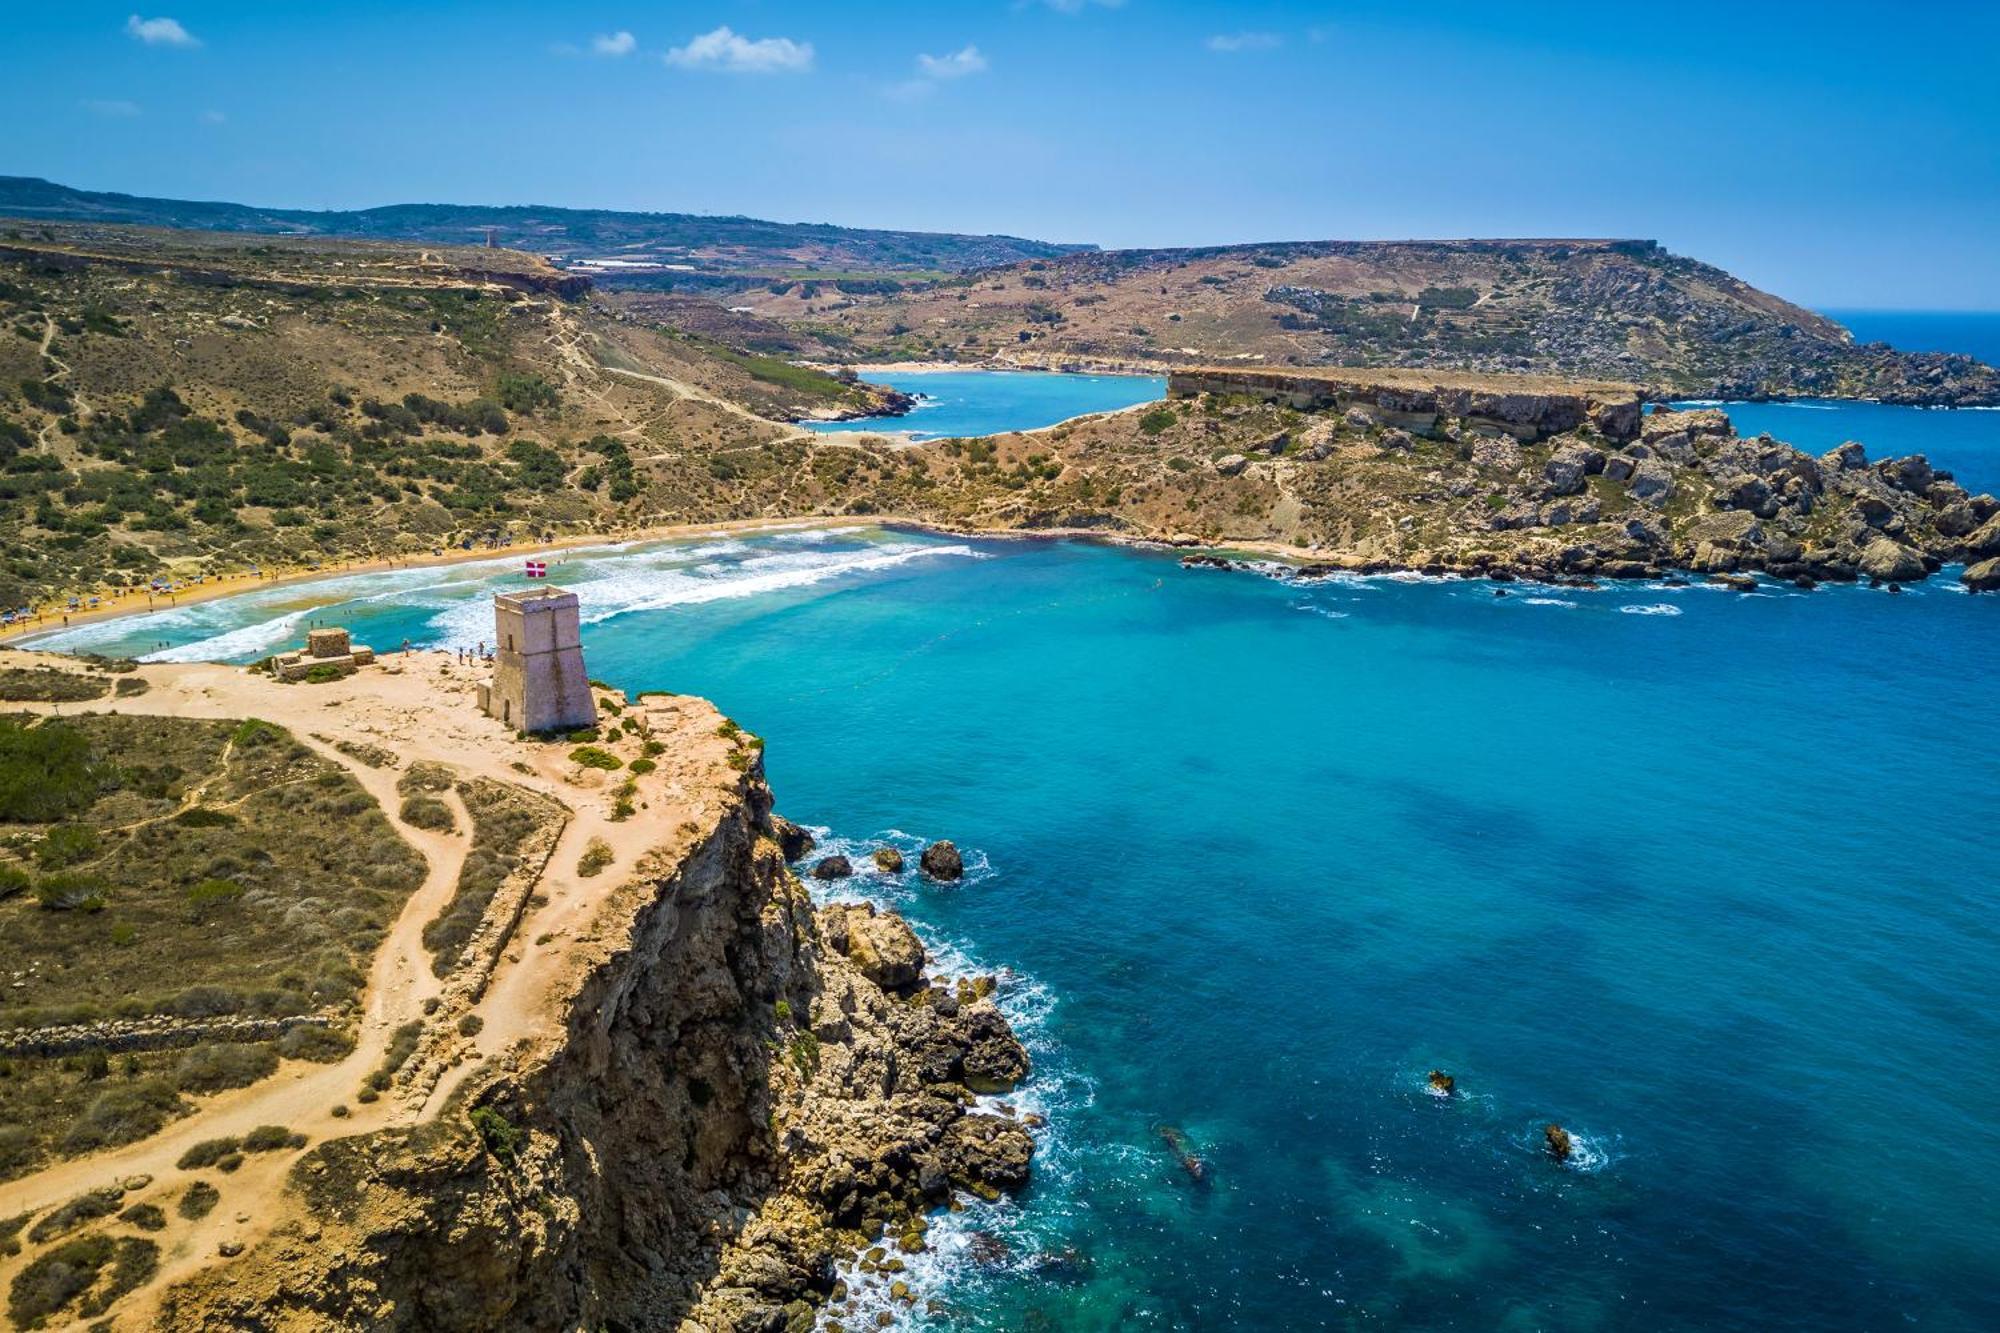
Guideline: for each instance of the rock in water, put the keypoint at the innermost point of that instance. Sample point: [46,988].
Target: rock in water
[1184,1153]
[1891,562]
[1559,1143]
[942,861]
[881,946]
[888,860]
[1982,577]
[1443,1084]
[833,867]
[793,841]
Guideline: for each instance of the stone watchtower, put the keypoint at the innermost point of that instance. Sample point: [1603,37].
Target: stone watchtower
[538,678]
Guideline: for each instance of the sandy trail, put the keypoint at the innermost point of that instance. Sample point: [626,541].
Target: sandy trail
[420,707]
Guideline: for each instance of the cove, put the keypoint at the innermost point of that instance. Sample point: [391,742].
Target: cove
[1702,876]
[955,403]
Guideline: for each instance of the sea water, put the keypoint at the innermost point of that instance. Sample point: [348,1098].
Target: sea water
[1707,878]
[952,403]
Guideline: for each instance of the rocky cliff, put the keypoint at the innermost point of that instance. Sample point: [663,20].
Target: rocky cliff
[732,1091]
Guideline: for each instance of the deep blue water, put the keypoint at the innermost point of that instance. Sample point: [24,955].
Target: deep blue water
[1714,885]
[986,402]
[1967,332]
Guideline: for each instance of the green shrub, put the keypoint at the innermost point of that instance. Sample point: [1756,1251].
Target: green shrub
[471,1025]
[1157,420]
[145,1216]
[212,894]
[207,1153]
[317,1043]
[591,756]
[200,816]
[122,1114]
[83,1208]
[71,891]
[229,1163]
[428,812]
[643,766]
[57,1279]
[199,1201]
[14,881]
[271,1138]
[46,772]
[224,1065]
[501,1138]
[596,855]
[65,845]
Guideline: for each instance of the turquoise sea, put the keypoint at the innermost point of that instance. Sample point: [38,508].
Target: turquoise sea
[984,402]
[1708,878]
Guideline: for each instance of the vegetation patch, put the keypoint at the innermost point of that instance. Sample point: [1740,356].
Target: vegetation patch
[89,1273]
[592,756]
[198,1201]
[48,685]
[428,812]
[504,818]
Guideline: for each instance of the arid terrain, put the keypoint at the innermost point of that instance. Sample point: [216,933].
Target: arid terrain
[255,1078]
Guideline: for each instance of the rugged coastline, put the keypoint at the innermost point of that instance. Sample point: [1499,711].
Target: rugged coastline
[677,1094]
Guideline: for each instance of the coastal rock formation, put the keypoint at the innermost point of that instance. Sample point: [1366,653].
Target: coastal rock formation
[1982,577]
[833,867]
[1558,1141]
[881,946]
[888,860]
[793,841]
[941,861]
[724,1103]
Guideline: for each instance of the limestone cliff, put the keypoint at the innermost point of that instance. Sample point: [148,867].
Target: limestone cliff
[721,1104]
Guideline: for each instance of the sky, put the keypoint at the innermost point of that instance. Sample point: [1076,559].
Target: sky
[1842,155]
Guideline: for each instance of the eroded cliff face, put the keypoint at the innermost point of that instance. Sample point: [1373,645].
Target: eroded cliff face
[724,1103]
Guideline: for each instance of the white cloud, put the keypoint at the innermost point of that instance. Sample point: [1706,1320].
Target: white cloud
[1232,43]
[620,43]
[954,66]
[1078,6]
[724,49]
[214,118]
[159,32]
[115,107]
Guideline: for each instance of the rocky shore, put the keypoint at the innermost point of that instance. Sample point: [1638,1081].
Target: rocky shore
[737,1091]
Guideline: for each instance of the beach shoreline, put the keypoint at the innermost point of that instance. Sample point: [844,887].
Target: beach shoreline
[139,603]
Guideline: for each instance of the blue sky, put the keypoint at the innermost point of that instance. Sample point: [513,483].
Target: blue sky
[1839,154]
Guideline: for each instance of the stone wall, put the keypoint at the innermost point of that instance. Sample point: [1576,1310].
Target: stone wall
[1528,407]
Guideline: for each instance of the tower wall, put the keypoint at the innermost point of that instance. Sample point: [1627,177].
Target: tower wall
[539,683]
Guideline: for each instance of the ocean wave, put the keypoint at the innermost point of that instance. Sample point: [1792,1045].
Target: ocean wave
[1325,612]
[1548,601]
[1652,609]
[667,578]
[242,641]
[981,1241]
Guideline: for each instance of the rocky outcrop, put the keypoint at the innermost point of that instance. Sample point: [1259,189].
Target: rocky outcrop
[941,861]
[1982,577]
[833,867]
[722,1104]
[888,860]
[882,946]
[1526,407]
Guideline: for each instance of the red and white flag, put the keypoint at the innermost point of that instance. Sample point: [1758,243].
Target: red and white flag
[538,569]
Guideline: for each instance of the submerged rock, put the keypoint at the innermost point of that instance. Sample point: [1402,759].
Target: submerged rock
[1559,1143]
[942,861]
[1184,1153]
[833,867]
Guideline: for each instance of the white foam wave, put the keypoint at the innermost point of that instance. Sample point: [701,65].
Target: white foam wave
[1548,601]
[1325,612]
[1652,609]
[242,641]
[659,580]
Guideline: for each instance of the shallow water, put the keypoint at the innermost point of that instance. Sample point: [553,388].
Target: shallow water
[987,402]
[1708,878]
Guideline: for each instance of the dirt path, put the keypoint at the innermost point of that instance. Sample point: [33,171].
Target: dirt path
[418,706]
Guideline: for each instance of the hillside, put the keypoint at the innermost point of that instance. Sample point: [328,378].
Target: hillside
[179,406]
[1625,310]
[174,404]
[710,245]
